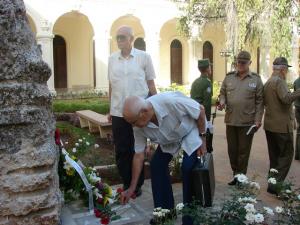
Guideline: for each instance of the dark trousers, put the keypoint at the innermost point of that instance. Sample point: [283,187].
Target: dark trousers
[161,180]
[280,147]
[239,146]
[124,149]
[297,148]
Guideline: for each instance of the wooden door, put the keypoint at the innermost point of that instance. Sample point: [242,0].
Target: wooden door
[60,62]
[176,62]
[208,53]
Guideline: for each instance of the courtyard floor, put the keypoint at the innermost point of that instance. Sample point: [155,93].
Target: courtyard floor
[139,211]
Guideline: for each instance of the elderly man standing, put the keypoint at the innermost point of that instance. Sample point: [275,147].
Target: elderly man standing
[130,72]
[242,94]
[173,121]
[278,121]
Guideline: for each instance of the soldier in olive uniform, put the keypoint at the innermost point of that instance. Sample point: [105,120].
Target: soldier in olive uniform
[201,91]
[278,121]
[242,95]
[297,114]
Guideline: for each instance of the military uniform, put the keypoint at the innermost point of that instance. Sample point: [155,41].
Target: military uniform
[244,106]
[297,114]
[278,122]
[201,91]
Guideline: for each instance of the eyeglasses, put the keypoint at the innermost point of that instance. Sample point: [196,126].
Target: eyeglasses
[121,37]
[242,62]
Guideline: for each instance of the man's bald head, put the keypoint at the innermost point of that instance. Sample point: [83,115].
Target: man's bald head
[137,111]
[125,30]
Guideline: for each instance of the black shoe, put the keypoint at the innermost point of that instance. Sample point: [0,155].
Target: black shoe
[271,191]
[138,192]
[233,182]
[152,222]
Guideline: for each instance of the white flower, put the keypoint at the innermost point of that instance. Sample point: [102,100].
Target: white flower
[93,177]
[288,191]
[272,180]
[241,178]
[298,197]
[89,134]
[249,208]
[76,144]
[155,213]
[165,210]
[74,150]
[259,218]
[159,214]
[80,140]
[255,185]
[247,199]
[250,217]
[87,143]
[83,138]
[272,170]
[278,209]
[157,209]
[66,143]
[180,160]
[269,210]
[96,146]
[179,206]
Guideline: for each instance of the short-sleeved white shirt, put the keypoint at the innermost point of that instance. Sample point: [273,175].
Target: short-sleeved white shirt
[127,77]
[177,118]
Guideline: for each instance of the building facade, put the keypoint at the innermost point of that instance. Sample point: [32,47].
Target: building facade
[77,37]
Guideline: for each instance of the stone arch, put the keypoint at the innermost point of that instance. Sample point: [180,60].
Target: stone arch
[208,53]
[168,33]
[78,33]
[127,20]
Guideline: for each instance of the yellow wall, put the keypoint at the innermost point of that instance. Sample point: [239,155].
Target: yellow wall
[168,33]
[78,34]
[31,24]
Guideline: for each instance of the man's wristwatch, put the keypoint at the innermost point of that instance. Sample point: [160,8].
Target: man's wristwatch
[202,134]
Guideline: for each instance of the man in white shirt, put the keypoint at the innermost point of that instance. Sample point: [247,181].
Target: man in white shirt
[130,72]
[175,122]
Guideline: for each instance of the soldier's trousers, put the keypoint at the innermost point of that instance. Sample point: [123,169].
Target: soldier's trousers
[239,146]
[281,151]
[297,147]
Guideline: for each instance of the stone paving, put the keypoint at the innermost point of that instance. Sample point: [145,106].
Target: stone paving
[139,211]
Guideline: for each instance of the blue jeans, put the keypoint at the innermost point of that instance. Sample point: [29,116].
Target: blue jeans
[161,180]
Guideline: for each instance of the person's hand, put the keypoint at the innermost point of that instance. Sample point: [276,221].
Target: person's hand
[258,125]
[148,152]
[202,149]
[126,195]
[109,117]
[220,107]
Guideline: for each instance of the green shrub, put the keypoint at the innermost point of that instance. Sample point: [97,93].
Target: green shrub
[94,104]
[176,87]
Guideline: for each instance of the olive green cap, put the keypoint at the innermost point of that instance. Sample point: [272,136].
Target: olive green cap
[202,63]
[281,61]
[244,55]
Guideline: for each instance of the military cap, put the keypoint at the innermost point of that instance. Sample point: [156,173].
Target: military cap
[202,63]
[281,61]
[244,55]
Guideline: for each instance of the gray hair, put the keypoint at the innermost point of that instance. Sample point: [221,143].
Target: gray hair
[134,104]
[279,67]
[128,30]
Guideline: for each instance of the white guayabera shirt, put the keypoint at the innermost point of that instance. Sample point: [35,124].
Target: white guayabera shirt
[176,115]
[128,77]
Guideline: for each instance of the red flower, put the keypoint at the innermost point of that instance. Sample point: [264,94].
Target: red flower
[97,213]
[120,190]
[57,137]
[133,196]
[105,220]
[100,200]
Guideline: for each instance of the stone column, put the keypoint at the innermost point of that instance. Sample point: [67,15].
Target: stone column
[29,193]
[295,53]
[46,43]
[153,48]
[193,70]
[102,52]
[265,71]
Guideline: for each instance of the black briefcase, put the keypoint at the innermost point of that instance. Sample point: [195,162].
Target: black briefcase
[203,180]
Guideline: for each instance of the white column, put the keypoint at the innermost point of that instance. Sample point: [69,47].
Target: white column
[265,62]
[295,53]
[46,43]
[193,62]
[153,48]
[102,52]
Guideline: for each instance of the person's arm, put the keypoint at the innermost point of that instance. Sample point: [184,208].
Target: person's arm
[151,87]
[137,166]
[109,88]
[222,96]
[259,104]
[284,94]
[201,123]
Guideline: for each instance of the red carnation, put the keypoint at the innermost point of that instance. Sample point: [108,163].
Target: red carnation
[105,220]
[119,190]
[100,200]
[57,137]
[97,213]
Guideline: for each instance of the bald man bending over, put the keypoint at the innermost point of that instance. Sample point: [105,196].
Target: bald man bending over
[175,122]
[130,72]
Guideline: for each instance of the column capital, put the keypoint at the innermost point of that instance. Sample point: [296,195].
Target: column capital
[44,36]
